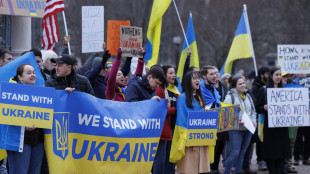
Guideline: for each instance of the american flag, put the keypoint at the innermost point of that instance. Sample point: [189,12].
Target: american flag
[49,23]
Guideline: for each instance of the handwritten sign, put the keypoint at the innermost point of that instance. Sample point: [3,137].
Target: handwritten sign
[131,41]
[305,82]
[294,58]
[92,28]
[26,105]
[288,107]
[113,35]
[201,128]
[228,118]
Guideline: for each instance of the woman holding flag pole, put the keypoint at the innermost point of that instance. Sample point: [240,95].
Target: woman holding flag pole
[188,159]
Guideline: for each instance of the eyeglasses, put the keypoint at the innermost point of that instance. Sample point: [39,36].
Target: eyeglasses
[195,78]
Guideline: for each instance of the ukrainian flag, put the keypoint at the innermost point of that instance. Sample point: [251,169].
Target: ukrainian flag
[191,39]
[154,30]
[240,47]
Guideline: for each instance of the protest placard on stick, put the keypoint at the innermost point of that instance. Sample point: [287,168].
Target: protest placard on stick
[113,35]
[92,28]
[131,41]
[288,107]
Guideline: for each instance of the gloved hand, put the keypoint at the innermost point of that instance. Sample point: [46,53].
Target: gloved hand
[119,53]
[143,52]
[106,55]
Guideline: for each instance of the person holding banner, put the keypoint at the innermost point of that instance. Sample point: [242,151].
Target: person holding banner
[276,140]
[167,91]
[30,159]
[240,138]
[65,77]
[193,159]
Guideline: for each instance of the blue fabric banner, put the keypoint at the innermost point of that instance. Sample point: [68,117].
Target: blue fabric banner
[92,135]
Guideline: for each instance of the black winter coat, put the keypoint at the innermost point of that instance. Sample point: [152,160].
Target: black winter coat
[276,142]
[80,83]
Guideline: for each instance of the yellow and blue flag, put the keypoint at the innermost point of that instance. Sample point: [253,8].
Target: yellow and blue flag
[181,130]
[154,31]
[240,47]
[191,39]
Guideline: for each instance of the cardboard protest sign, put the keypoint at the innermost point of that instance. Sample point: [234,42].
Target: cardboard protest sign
[29,8]
[131,41]
[92,28]
[201,128]
[228,118]
[113,35]
[288,107]
[26,105]
[294,58]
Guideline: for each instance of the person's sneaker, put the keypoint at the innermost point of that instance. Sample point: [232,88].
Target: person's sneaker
[306,162]
[262,166]
[291,170]
[296,162]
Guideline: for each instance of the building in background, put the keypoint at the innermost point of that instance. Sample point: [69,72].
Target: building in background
[18,24]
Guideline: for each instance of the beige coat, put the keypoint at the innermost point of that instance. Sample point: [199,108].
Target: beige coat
[196,160]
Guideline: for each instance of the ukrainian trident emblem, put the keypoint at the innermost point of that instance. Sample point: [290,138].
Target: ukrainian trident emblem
[60,134]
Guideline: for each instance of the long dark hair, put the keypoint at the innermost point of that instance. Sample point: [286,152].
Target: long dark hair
[187,88]
[270,83]
[165,83]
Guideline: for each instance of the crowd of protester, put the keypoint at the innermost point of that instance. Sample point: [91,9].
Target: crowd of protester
[201,90]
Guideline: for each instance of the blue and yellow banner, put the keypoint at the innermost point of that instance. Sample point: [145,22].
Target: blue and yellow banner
[26,105]
[228,118]
[154,31]
[12,136]
[240,47]
[92,135]
[191,39]
[202,128]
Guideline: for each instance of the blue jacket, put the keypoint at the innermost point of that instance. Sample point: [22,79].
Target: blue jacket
[138,89]
[97,82]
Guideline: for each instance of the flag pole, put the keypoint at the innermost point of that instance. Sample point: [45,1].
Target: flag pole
[250,37]
[180,23]
[65,23]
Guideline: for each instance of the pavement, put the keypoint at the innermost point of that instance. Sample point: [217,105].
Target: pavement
[301,169]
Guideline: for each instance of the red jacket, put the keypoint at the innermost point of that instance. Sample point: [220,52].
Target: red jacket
[111,93]
[166,133]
